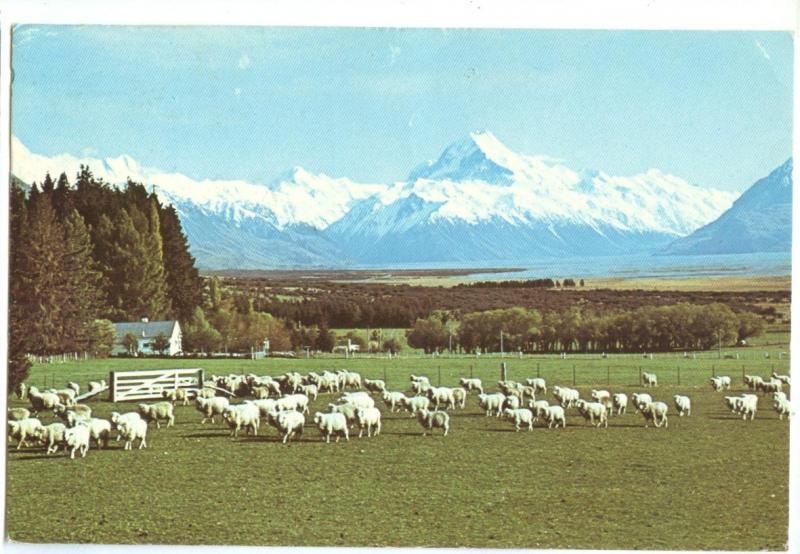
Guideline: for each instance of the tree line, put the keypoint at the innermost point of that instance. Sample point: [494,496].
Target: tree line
[681,326]
[85,254]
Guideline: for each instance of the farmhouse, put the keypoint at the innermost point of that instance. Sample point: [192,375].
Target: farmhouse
[146,332]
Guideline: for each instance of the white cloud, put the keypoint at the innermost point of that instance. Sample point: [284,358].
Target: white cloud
[763,50]
[244,61]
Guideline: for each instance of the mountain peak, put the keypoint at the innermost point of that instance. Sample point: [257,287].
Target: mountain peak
[478,157]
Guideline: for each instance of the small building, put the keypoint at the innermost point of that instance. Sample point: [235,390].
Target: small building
[146,332]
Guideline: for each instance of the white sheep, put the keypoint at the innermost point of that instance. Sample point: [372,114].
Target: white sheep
[419,379]
[97,385]
[640,398]
[430,420]
[782,378]
[41,401]
[176,395]
[51,435]
[15,414]
[592,411]
[133,429]
[300,402]
[375,385]
[538,384]
[416,403]
[359,399]
[349,411]
[63,412]
[491,403]
[74,386]
[420,387]
[469,383]
[118,419]
[649,379]
[748,406]
[77,439]
[290,424]
[783,407]
[99,430]
[21,390]
[719,383]
[683,404]
[511,403]
[600,395]
[779,395]
[311,391]
[238,416]
[655,412]
[620,402]
[554,415]
[394,399]
[753,382]
[566,396]
[265,406]
[369,419]
[156,412]
[773,385]
[23,429]
[538,407]
[519,416]
[459,397]
[732,403]
[210,407]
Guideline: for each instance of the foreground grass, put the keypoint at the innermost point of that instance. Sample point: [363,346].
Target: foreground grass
[710,481]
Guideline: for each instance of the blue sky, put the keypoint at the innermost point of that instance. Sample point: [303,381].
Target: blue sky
[371,104]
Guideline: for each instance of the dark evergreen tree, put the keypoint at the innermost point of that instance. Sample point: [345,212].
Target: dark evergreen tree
[18,363]
[184,285]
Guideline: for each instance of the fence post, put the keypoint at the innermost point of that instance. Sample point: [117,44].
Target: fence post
[679,375]
[537,370]
[470,371]
[640,376]
[503,371]
[573,375]
[384,375]
[742,372]
[111,386]
[608,375]
[440,376]
[713,370]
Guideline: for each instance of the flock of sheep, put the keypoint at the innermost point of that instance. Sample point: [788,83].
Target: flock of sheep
[282,402]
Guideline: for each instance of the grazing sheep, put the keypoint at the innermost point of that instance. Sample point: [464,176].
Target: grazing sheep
[296,401]
[538,384]
[649,379]
[210,407]
[99,430]
[176,395]
[620,402]
[21,391]
[640,398]
[720,382]
[265,406]
[375,385]
[97,385]
[459,397]
[329,424]
[420,387]
[779,395]
[748,406]
[655,412]
[41,401]
[74,386]
[683,404]
[351,379]
[156,412]
[492,403]
[15,414]
[782,378]
[753,382]
[566,396]
[349,411]
[783,407]
[77,439]
[23,429]
[290,424]
[131,430]
[772,385]
[51,435]
[311,391]
[81,410]
[430,420]
[419,379]
[246,415]
[600,395]
[511,403]
[469,384]
[538,407]
[369,419]
[592,411]
[554,415]
[118,419]
[65,396]
[416,403]
[518,416]
[732,402]
[394,399]
[358,399]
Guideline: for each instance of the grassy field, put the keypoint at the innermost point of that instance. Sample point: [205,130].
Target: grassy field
[709,481]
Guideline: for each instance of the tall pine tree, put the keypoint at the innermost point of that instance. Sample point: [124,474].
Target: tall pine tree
[183,280]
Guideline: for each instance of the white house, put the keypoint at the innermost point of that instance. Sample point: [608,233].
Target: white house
[146,331]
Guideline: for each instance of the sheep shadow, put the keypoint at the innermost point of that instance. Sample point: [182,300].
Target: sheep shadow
[503,430]
[402,433]
[209,435]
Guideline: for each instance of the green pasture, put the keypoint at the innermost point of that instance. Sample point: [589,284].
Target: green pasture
[709,481]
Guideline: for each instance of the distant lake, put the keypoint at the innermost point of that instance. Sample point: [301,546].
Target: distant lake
[634,266]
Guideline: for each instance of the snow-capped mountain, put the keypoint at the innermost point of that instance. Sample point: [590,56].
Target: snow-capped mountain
[479,201]
[759,221]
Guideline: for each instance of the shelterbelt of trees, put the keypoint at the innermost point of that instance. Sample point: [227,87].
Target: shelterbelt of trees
[86,254]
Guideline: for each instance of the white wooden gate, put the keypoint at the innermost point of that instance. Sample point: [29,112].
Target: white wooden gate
[139,385]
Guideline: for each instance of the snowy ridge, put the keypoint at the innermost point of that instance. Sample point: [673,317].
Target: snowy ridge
[514,205]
